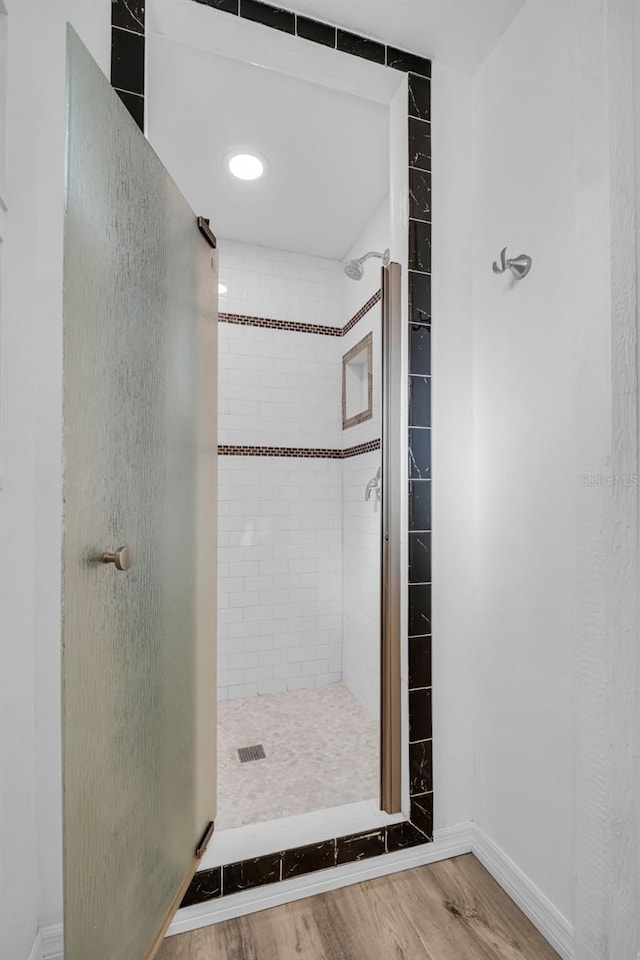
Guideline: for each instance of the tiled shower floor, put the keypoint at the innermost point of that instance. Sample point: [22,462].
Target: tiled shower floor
[321,751]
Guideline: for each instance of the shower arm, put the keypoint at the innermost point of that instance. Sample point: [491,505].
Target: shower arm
[372,253]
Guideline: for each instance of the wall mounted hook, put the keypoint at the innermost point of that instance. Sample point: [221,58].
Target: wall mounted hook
[519,266]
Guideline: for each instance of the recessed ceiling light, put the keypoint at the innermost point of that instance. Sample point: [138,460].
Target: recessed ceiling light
[222,289]
[246,166]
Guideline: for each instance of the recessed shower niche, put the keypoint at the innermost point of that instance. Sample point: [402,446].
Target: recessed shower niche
[357,383]
[300,421]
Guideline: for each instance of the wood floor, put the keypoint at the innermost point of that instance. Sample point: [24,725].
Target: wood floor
[452,910]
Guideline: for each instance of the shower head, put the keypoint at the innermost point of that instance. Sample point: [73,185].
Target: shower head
[354,269]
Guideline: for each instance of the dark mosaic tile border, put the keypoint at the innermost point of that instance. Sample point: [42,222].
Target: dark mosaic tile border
[127,76]
[295,327]
[317,453]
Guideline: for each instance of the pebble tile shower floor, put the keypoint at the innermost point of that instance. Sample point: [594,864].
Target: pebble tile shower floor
[321,751]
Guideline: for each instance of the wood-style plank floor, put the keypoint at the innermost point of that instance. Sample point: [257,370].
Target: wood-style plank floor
[452,910]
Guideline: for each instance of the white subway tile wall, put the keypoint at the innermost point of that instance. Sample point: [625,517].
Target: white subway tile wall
[298,546]
[279,285]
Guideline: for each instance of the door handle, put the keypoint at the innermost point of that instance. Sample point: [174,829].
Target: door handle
[121,558]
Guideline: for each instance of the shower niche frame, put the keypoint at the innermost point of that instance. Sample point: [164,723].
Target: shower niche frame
[325,53]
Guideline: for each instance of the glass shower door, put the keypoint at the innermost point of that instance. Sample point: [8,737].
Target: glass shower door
[139,537]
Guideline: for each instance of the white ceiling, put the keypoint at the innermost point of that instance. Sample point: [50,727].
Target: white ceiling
[459,33]
[327,150]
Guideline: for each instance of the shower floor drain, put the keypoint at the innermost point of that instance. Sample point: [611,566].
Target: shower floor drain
[255,752]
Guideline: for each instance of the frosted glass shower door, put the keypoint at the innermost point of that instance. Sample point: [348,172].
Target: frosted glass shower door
[140,370]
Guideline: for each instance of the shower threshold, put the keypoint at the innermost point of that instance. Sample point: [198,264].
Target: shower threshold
[270,836]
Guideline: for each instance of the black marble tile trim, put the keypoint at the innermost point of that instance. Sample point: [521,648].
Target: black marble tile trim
[419,97]
[420,768]
[420,560]
[419,246]
[419,401]
[134,103]
[360,846]
[408,62]
[419,194]
[227,6]
[326,34]
[275,17]
[247,874]
[361,46]
[127,60]
[419,662]
[315,30]
[206,885]
[419,715]
[307,859]
[419,609]
[419,144]
[402,835]
[272,868]
[422,814]
[128,14]
[419,297]
[419,505]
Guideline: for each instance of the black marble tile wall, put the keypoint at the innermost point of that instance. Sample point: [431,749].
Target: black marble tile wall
[127,54]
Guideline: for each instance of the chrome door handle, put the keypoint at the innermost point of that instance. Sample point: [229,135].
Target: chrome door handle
[121,558]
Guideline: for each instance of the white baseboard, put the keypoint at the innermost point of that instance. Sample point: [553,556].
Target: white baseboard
[553,926]
[450,842]
[36,949]
[52,942]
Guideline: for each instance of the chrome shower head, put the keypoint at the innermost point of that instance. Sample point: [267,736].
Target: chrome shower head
[354,269]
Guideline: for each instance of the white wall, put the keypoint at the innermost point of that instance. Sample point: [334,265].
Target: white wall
[525,419]
[31,457]
[454,623]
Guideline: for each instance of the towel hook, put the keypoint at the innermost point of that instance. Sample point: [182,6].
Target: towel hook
[519,266]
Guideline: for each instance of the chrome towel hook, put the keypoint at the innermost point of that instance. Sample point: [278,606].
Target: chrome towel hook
[519,266]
